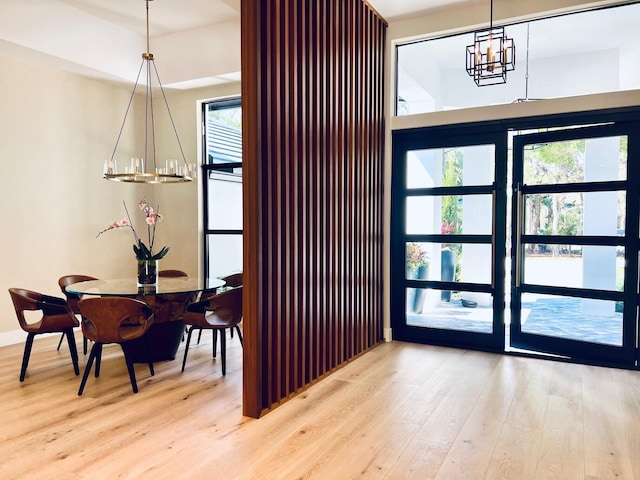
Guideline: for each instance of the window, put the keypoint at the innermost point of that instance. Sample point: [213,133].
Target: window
[222,187]
[582,53]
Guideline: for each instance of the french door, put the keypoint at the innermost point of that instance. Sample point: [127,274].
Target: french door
[519,237]
[447,258]
[575,251]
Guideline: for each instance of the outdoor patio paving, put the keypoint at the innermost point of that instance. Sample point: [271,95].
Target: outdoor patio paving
[554,316]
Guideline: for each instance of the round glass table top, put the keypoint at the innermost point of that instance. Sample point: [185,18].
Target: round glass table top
[128,287]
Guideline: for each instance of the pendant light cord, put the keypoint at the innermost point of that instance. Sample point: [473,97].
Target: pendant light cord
[526,71]
[491,16]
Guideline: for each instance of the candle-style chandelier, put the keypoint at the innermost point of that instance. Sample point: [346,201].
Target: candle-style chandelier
[141,170]
[491,56]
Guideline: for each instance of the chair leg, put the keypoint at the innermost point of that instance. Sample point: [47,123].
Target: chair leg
[87,368]
[98,357]
[71,340]
[26,355]
[60,341]
[148,344]
[223,350]
[186,346]
[85,341]
[214,332]
[237,328]
[199,335]
[132,373]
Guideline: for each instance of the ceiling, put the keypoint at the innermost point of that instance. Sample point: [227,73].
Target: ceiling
[105,38]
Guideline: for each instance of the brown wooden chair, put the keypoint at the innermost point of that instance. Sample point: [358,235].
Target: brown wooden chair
[172,273]
[73,299]
[113,320]
[233,280]
[56,317]
[216,313]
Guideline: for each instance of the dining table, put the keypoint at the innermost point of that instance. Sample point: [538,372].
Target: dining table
[168,298]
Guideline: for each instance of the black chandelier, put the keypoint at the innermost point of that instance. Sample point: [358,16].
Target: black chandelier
[491,55]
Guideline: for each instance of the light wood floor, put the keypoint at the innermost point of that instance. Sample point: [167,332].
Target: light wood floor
[400,411]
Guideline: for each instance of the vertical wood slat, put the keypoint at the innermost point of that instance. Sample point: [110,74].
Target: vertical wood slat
[313,138]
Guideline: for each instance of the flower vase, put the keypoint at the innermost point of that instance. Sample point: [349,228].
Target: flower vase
[447,272]
[147,272]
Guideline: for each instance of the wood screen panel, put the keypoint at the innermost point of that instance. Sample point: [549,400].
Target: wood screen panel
[313,140]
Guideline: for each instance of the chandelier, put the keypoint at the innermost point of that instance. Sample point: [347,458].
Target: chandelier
[491,55]
[141,170]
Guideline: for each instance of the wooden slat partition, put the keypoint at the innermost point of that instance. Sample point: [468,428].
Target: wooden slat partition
[313,143]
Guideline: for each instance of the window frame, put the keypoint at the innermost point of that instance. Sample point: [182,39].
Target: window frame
[207,168]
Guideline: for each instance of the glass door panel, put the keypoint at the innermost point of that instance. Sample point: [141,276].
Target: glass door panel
[579,266]
[450,167]
[573,318]
[447,240]
[567,212]
[575,160]
[570,244]
[449,214]
[465,311]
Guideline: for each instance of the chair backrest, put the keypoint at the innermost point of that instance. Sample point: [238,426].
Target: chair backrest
[233,280]
[56,314]
[72,298]
[114,319]
[227,305]
[172,273]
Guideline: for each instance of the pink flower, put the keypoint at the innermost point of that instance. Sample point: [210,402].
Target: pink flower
[153,218]
[140,248]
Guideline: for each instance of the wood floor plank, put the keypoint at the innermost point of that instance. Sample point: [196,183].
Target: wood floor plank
[400,411]
[605,427]
[561,453]
[515,452]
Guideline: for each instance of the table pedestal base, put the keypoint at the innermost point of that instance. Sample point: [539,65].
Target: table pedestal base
[163,341]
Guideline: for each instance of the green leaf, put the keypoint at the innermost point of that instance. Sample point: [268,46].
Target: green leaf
[160,254]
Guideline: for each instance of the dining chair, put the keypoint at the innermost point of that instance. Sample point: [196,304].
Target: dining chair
[172,273]
[217,313]
[233,280]
[56,317]
[114,320]
[73,299]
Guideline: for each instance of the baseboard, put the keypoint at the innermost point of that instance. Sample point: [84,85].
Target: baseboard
[388,336]
[12,337]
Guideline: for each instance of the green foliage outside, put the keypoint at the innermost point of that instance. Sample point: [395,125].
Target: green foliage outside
[561,213]
[232,117]
[452,204]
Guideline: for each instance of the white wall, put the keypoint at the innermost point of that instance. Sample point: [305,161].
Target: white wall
[56,130]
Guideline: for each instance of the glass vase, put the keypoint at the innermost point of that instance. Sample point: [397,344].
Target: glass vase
[147,272]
